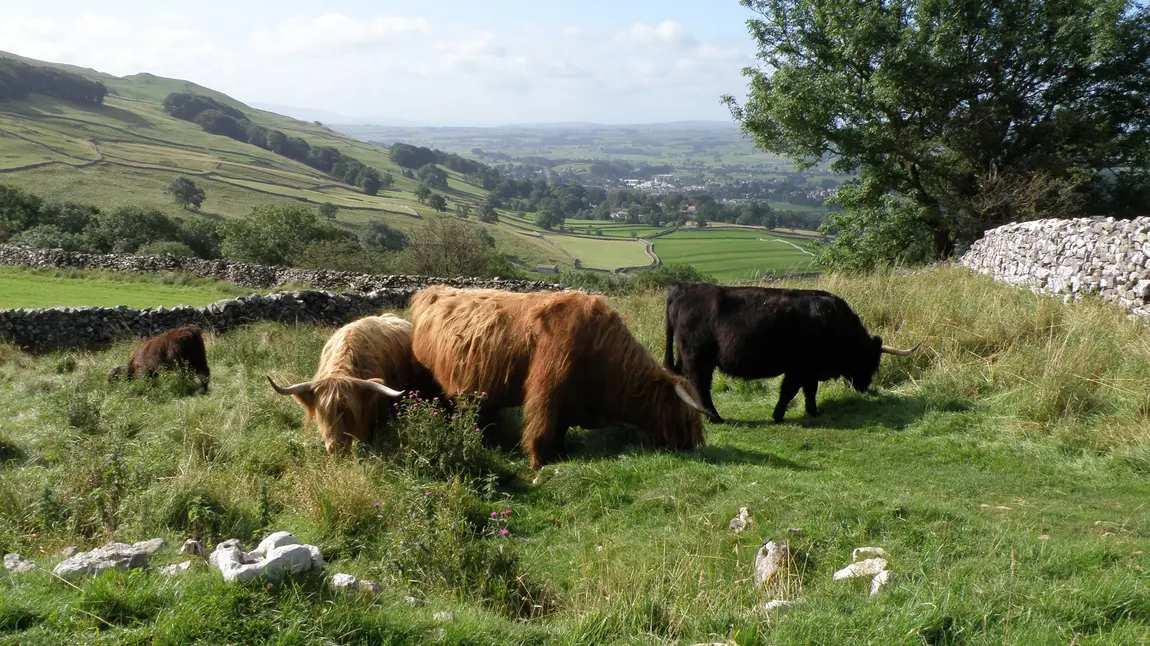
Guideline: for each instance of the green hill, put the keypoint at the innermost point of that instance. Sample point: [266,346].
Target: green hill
[126,150]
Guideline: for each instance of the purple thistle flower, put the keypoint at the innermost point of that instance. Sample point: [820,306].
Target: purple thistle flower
[427,493]
[494,514]
[377,505]
[504,531]
[506,512]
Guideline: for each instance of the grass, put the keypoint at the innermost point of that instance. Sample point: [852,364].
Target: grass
[29,288]
[1004,468]
[602,254]
[734,254]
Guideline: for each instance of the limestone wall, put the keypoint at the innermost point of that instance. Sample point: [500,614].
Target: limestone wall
[1072,258]
[72,327]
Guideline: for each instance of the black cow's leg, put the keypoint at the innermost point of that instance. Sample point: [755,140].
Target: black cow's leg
[810,392]
[700,375]
[787,391]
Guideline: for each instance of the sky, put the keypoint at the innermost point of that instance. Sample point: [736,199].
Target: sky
[435,62]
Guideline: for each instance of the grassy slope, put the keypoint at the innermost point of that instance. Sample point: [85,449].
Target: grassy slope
[24,287]
[1004,467]
[127,150]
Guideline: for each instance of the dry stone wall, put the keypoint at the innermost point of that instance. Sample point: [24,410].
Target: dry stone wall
[1071,258]
[74,327]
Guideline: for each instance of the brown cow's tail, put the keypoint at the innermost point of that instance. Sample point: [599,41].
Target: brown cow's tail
[669,341]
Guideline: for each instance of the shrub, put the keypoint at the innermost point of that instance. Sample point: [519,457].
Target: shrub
[49,236]
[274,234]
[448,246]
[432,441]
[171,247]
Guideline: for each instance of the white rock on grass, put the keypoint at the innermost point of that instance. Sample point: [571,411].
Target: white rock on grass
[880,580]
[176,568]
[69,551]
[773,558]
[16,564]
[870,552]
[119,556]
[277,556]
[740,521]
[347,583]
[444,616]
[193,547]
[869,567]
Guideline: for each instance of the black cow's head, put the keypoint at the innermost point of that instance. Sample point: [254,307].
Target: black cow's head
[866,364]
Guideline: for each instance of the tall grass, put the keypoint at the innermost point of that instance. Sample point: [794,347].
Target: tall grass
[1004,467]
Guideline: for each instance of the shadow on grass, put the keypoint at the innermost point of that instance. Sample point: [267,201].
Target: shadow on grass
[725,454]
[120,114]
[855,411]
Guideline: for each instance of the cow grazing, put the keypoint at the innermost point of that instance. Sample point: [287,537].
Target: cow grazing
[805,335]
[181,347]
[360,370]
[566,358]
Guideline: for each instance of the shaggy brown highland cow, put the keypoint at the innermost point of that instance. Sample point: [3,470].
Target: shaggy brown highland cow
[181,347]
[566,357]
[354,384]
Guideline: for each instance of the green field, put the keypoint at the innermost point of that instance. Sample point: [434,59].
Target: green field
[28,288]
[734,254]
[1004,469]
[603,254]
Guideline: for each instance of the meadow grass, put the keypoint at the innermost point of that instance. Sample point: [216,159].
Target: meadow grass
[733,255]
[1004,467]
[26,287]
[602,254]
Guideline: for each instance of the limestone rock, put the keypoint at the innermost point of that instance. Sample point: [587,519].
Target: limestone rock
[150,546]
[741,520]
[444,616]
[880,580]
[347,583]
[276,557]
[773,558]
[16,564]
[869,567]
[176,568]
[119,556]
[71,550]
[868,552]
[778,604]
[192,547]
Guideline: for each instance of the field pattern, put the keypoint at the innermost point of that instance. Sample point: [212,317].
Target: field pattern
[734,254]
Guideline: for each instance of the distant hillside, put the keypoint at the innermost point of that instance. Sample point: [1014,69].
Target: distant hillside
[128,149]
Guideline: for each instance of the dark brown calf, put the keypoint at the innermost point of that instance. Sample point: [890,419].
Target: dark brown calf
[182,347]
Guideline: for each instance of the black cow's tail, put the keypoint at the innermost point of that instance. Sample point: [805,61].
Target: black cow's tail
[669,342]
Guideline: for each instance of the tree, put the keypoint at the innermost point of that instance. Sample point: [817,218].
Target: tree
[274,234]
[463,211]
[422,193]
[185,191]
[448,246]
[432,175]
[437,202]
[378,236]
[328,210]
[386,181]
[127,228]
[968,115]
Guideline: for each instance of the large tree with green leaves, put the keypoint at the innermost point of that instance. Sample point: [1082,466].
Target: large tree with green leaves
[957,115]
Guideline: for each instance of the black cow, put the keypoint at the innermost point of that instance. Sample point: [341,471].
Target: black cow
[805,335]
[181,347]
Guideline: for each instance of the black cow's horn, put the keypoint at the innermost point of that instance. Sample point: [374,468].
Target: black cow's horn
[685,396]
[378,386]
[900,353]
[291,390]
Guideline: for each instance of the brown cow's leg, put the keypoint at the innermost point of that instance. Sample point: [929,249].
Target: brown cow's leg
[810,392]
[542,432]
[787,391]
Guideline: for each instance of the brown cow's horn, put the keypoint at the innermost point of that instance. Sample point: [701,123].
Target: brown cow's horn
[685,396]
[900,353]
[291,390]
[380,387]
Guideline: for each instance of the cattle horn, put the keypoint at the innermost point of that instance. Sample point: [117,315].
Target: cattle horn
[685,396]
[378,386]
[291,390]
[900,353]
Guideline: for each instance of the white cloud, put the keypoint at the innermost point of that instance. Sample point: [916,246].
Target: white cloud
[409,67]
[334,33]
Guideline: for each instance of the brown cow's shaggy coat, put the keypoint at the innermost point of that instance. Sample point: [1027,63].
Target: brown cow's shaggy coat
[363,367]
[566,357]
[181,347]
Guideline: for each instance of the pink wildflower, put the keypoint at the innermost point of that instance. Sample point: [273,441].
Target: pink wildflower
[494,514]
[504,531]
[427,493]
[506,512]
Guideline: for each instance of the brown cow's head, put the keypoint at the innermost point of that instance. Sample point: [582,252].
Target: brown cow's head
[344,407]
[677,415]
